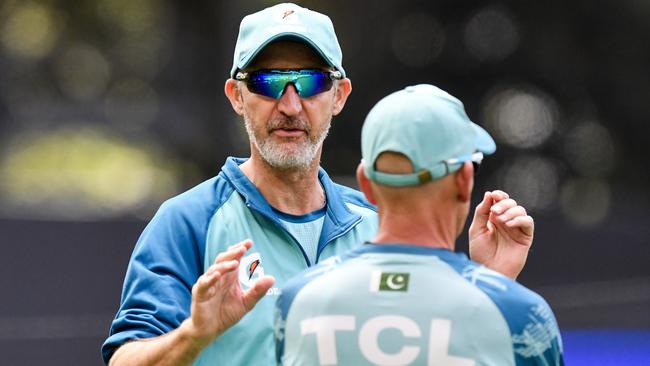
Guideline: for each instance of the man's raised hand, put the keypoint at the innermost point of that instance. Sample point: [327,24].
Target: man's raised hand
[501,234]
[218,301]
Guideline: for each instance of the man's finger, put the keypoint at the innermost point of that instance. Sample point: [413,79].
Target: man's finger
[482,211]
[206,281]
[223,267]
[503,205]
[234,252]
[231,254]
[255,293]
[248,243]
[525,223]
[511,213]
[498,195]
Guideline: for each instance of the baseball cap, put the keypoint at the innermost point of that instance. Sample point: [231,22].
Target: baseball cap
[286,21]
[427,125]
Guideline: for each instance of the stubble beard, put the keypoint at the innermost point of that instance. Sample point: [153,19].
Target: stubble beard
[280,156]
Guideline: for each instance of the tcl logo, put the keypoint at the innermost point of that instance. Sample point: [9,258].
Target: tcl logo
[324,328]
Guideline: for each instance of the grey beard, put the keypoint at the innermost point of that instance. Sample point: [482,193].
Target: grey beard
[278,157]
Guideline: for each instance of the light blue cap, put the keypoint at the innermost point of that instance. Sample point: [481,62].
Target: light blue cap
[427,125]
[286,21]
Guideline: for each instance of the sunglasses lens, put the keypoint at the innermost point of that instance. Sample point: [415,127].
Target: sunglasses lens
[312,84]
[267,84]
[273,83]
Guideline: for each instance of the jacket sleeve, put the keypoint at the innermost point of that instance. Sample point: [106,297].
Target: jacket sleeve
[165,264]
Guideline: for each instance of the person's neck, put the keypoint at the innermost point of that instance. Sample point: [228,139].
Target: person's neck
[426,228]
[293,191]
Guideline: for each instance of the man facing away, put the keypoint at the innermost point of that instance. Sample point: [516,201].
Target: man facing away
[186,288]
[406,298]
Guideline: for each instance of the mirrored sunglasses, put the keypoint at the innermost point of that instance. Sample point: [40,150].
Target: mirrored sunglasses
[272,83]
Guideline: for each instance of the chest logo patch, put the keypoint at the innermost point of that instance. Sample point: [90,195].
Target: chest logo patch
[250,269]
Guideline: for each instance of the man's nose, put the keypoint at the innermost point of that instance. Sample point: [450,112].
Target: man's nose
[290,103]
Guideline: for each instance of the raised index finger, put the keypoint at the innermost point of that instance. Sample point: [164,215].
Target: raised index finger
[234,252]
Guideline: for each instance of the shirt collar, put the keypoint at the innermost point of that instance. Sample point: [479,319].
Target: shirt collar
[444,253]
[337,210]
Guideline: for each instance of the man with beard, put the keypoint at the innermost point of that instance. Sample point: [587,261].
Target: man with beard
[187,289]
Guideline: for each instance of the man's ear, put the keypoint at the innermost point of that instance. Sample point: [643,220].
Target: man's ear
[464,179]
[365,185]
[234,96]
[343,90]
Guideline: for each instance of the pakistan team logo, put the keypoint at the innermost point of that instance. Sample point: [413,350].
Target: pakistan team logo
[389,281]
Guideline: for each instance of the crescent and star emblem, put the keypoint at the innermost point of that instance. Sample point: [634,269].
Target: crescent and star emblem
[394,281]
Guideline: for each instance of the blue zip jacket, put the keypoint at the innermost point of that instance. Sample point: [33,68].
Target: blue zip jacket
[185,236]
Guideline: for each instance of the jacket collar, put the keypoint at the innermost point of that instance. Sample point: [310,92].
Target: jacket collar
[337,211]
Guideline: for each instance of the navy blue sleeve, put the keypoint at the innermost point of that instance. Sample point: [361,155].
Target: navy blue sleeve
[535,333]
[165,264]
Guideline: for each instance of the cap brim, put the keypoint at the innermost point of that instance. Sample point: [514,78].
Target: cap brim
[484,142]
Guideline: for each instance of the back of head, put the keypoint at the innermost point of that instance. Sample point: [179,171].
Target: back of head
[426,125]
[291,22]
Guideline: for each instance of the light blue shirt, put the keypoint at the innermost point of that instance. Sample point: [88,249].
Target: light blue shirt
[305,229]
[412,305]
